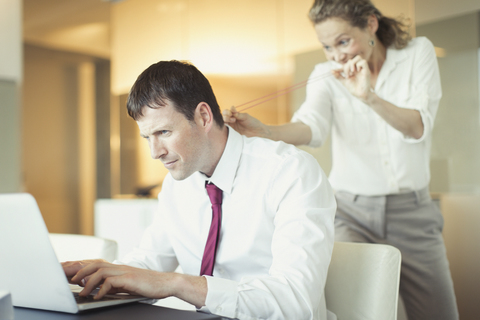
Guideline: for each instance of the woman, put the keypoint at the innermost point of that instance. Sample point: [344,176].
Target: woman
[379,106]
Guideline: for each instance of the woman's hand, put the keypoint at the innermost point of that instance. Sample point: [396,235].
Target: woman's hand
[245,124]
[356,77]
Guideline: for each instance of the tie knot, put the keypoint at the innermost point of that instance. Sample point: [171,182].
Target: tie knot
[214,193]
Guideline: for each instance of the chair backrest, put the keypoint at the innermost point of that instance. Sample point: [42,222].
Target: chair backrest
[69,247]
[363,281]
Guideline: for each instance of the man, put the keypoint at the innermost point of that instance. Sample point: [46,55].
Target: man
[275,211]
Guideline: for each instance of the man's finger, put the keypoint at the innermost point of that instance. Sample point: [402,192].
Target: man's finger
[88,270]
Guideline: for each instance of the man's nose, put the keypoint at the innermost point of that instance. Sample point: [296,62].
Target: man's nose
[157,148]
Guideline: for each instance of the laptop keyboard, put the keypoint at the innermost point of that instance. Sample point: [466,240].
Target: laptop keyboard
[89,298]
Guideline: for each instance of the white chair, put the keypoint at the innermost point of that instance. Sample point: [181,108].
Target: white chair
[69,247]
[363,281]
[124,220]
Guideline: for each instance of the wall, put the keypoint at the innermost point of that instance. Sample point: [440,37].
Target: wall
[11,40]
[76,26]
[455,158]
[221,37]
[50,134]
[59,147]
[304,64]
[10,86]
[456,135]
[461,214]
[10,137]
[428,11]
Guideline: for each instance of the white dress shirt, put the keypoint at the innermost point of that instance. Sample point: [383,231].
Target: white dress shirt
[369,156]
[276,234]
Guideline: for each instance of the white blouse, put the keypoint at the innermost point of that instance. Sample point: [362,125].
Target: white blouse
[369,157]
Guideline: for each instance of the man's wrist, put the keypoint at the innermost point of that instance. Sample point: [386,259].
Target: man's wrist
[192,289]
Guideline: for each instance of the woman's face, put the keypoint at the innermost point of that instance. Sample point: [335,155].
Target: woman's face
[341,42]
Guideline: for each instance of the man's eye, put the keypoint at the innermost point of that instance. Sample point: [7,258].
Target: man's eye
[162,133]
[344,42]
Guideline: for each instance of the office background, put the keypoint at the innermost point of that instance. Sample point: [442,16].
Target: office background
[66,67]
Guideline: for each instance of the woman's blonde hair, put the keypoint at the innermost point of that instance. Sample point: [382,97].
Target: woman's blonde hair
[356,12]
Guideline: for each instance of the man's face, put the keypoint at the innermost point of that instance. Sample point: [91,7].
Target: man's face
[174,140]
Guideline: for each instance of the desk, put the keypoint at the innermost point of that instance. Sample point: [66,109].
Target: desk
[137,311]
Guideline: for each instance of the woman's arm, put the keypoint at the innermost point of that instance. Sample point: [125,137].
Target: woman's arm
[407,121]
[356,77]
[296,133]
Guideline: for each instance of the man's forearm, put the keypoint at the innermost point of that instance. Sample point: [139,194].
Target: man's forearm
[192,289]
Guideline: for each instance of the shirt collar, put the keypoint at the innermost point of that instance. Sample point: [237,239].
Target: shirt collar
[226,169]
[394,56]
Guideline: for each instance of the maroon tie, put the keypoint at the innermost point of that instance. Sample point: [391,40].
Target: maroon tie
[208,260]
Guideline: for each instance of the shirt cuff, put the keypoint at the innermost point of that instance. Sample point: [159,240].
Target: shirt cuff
[426,129]
[421,104]
[316,140]
[222,296]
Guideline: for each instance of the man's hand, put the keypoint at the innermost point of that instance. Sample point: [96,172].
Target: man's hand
[72,267]
[112,278]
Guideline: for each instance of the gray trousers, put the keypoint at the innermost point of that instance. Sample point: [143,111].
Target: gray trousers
[412,223]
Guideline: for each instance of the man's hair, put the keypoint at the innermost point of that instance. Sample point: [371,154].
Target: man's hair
[357,12]
[180,83]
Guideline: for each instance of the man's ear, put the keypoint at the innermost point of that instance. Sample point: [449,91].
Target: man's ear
[204,116]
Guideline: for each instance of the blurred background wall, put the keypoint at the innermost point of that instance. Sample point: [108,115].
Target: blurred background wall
[66,67]
[81,57]
[11,61]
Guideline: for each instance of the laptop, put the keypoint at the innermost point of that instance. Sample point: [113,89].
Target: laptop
[29,269]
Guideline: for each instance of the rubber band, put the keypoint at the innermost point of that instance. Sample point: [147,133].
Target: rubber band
[281,92]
